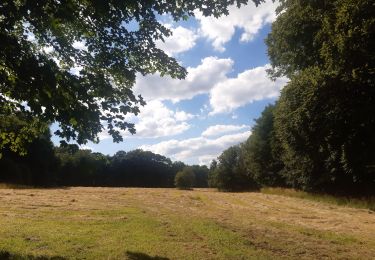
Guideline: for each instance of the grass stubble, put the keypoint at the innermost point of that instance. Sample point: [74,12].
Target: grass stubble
[136,223]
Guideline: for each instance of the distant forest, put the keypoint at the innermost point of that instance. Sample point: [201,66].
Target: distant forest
[47,166]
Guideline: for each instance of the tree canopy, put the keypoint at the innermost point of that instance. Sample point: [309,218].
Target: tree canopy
[262,151]
[45,165]
[86,89]
[230,173]
[325,118]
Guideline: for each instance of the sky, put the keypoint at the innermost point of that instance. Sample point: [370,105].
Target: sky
[194,120]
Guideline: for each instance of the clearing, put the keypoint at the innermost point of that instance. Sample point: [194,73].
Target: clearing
[135,223]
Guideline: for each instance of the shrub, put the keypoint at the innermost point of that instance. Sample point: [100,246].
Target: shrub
[230,174]
[185,179]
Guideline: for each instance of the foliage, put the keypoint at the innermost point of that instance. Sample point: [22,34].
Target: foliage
[326,127]
[212,183]
[37,167]
[80,167]
[67,165]
[17,131]
[261,151]
[231,174]
[337,36]
[185,179]
[201,175]
[325,118]
[141,169]
[40,60]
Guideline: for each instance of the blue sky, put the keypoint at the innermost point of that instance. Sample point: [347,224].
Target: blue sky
[195,119]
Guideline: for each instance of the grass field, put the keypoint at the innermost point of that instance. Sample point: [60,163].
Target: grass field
[123,223]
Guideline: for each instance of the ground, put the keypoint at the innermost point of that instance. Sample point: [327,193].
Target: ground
[135,223]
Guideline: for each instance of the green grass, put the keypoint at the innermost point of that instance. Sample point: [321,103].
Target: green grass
[365,203]
[110,236]
[119,223]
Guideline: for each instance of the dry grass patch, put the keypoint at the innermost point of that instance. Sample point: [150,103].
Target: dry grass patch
[118,223]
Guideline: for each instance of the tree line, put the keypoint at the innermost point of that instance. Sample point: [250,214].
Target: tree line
[320,135]
[47,166]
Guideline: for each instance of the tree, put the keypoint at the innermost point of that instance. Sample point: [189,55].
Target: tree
[37,167]
[325,118]
[185,179]
[231,174]
[140,168]
[262,151]
[17,131]
[326,128]
[337,36]
[39,58]
[201,175]
[212,183]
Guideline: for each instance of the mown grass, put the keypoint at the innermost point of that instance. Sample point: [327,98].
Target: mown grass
[365,202]
[120,223]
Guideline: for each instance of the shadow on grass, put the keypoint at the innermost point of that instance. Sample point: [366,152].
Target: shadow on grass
[5,255]
[141,256]
[16,186]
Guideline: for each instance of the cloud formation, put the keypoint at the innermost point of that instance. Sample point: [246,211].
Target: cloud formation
[181,40]
[199,80]
[210,77]
[249,86]
[201,149]
[156,120]
[249,19]
[218,130]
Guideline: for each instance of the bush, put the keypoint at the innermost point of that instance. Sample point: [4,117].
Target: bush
[230,174]
[185,179]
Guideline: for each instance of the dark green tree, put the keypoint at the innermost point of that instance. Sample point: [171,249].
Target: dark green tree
[337,36]
[231,174]
[327,133]
[262,151]
[212,174]
[325,118]
[185,179]
[38,57]
[37,165]
[140,168]
[201,175]
[17,130]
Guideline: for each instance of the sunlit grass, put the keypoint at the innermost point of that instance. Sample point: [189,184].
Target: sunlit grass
[120,223]
[365,203]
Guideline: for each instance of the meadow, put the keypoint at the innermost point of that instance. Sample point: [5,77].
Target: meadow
[136,223]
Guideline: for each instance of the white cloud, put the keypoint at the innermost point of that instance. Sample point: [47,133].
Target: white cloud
[183,116]
[198,81]
[199,149]
[156,120]
[249,19]
[217,130]
[86,147]
[249,86]
[226,94]
[181,40]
